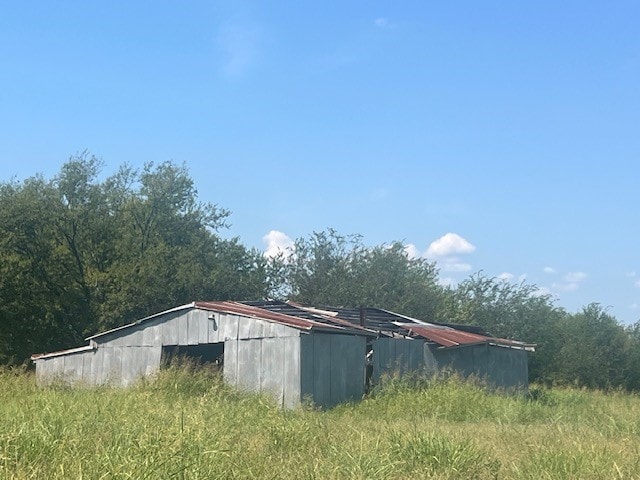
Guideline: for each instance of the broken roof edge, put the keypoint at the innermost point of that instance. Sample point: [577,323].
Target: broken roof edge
[525,347]
[292,321]
[42,356]
[333,317]
[448,337]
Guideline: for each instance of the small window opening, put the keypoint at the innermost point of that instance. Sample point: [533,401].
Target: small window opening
[209,355]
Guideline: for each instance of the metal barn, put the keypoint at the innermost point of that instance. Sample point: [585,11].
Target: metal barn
[290,351]
[408,344]
[290,358]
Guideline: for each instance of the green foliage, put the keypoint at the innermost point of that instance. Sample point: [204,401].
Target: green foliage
[592,349]
[79,254]
[186,423]
[515,311]
[331,269]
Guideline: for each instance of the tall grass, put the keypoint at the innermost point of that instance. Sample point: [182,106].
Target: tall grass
[186,423]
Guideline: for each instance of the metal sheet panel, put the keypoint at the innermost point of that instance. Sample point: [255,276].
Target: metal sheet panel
[277,330]
[429,360]
[354,360]
[107,362]
[272,367]
[130,336]
[72,368]
[306,367]
[249,353]
[41,367]
[170,328]
[322,369]
[152,334]
[57,368]
[380,354]
[115,373]
[96,367]
[87,360]
[291,371]
[45,372]
[244,327]
[154,357]
[203,326]
[111,365]
[256,328]
[182,323]
[230,369]
[193,328]
[133,365]
[228,327]
[339,347]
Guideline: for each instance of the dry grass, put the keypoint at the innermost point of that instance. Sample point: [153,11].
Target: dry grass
[187,424]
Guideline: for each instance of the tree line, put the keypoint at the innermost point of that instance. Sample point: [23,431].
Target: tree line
[80,254]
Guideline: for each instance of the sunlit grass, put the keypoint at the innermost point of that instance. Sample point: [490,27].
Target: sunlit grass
[187,424]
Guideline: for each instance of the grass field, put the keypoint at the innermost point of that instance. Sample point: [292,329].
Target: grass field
[187,424]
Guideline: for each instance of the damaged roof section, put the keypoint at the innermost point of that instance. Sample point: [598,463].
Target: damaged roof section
[385,322]
[450,337]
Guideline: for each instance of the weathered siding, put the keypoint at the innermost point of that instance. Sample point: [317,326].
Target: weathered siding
[500,367]
[397,356]
[269,365]
[332,368]
[123,356]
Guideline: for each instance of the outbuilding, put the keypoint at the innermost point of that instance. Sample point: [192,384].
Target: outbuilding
[290,351]
[287,357]
[408,344]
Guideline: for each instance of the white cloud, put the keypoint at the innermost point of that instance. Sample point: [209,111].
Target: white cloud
[276,242]
[575,277]
[447,281]
[631,274]
[542,291]
[522,277]
[633,306]
[239,46]
[453,264]
[412,251]
[550,270]
[570,282]
[449,244]
[505,276]
[566,287]
[637,283]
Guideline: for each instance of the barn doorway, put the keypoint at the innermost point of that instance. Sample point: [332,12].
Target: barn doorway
[208,355]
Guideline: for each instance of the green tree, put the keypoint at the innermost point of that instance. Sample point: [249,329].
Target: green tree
[592,351]
[515,311]
[328,268]
[78,254]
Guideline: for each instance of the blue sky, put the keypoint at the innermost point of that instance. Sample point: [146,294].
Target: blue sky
[494,136]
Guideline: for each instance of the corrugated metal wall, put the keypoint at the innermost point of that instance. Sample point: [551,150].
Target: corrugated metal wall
[269,365]
[120,365]
[500,367]
[125,355]
[397,356]
[332,368]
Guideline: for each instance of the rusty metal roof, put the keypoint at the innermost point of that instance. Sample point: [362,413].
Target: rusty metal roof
[450,337]
[322,316]
[305,322]
[254,312]
[385,321]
